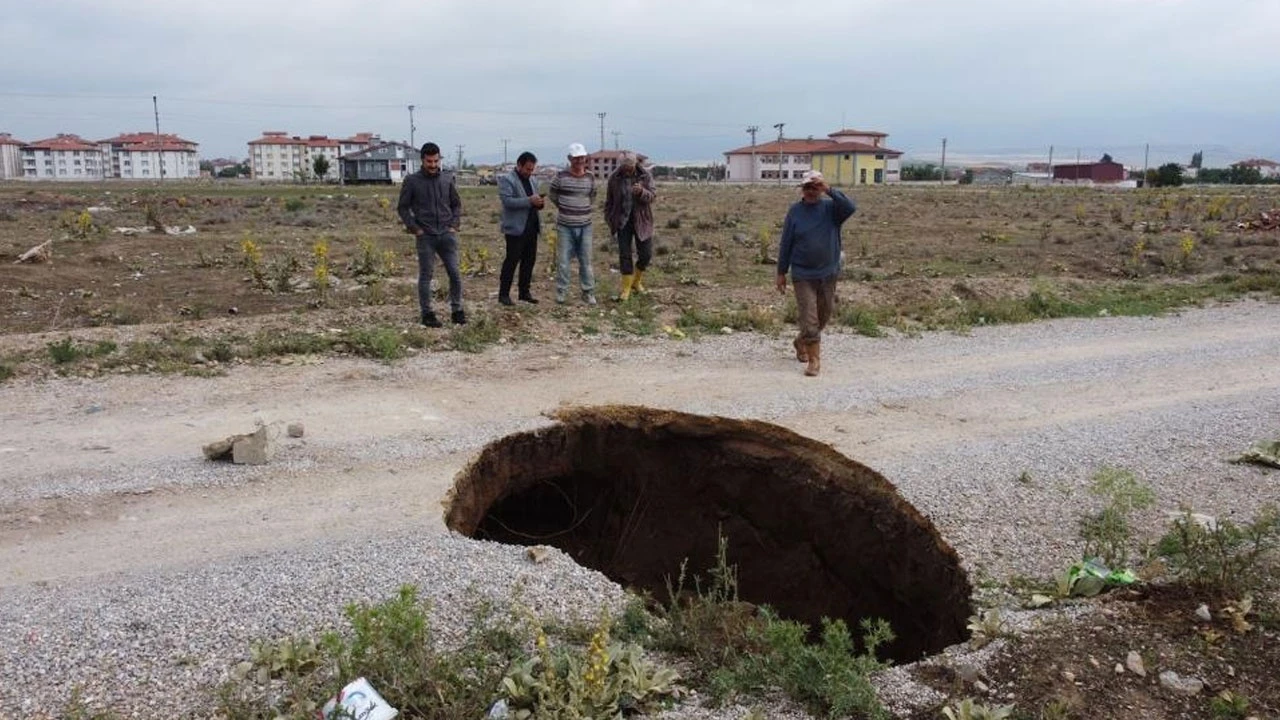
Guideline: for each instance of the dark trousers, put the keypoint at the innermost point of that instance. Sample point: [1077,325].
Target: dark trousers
[522,250]
[446,246]
[643,249]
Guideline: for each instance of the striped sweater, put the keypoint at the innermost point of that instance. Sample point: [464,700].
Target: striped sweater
[572,197]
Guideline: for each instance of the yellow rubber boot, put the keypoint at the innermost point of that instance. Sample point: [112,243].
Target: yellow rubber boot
[624,293]
[637,285]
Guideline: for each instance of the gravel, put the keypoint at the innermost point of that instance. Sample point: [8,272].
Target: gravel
[151,645]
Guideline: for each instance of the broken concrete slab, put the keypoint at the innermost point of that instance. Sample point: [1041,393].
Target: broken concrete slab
[255,448]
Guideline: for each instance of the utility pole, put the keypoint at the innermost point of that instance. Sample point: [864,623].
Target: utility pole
[155,107]
[753,130]
[411,127]
[504,152]
[1050,164]
[458,167]
[778,127]
[601,116]
[1077,173]
[943,179]
[615,134]
[1146,156]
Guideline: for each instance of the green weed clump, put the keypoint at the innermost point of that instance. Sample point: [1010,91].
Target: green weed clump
[1221,556]
[391,645]
[380,343]
[746,318]
[740,649]
[476,335]
[1107,534]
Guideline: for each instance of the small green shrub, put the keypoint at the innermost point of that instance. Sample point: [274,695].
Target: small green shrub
[605,680]
[1222,556]
[742,650]
[294,204]
[64,351]
[6,371]
[382,343]
[828,677]
[479,333]
[1106,533]
[390,644]
[861,319]
[1227,705]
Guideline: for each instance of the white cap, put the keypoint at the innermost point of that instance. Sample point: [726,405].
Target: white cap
[577,150]
[811,176]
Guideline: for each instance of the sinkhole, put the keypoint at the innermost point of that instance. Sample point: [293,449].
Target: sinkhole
[633,491]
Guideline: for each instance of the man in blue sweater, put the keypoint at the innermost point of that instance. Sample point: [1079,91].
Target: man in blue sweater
[810,249]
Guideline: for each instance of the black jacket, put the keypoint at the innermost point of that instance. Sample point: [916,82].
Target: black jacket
[430,203]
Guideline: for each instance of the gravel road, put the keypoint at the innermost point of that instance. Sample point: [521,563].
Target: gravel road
[133,568]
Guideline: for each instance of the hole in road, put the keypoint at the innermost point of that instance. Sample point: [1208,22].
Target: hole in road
[632,492]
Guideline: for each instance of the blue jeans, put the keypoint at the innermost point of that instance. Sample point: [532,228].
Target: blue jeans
[571,242]
[446,246]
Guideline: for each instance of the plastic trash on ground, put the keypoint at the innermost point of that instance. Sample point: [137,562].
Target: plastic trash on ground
[358,700]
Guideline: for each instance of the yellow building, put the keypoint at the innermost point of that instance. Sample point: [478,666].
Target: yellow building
[857,158]
[846,157]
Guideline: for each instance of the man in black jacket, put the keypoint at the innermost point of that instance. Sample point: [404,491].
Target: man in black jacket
[431,209]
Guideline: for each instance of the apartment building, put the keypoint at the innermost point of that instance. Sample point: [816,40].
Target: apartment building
[277,155]
[603,163]
[148,156]
[62,157]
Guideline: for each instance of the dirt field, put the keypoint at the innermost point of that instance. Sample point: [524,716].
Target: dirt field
[920,257]
[125,313]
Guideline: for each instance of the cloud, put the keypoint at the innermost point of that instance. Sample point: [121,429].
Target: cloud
[677,79]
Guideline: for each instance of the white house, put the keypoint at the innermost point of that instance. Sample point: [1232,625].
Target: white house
[62,157]
[10,157]
[148,156]
[1266,168]
[845,157]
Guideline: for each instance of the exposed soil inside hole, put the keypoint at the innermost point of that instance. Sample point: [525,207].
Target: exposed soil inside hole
[632,492]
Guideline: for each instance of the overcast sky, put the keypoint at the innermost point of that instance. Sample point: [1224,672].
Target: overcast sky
[680,80]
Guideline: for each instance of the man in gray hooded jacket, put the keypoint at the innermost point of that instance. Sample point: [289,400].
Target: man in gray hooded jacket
[432,211]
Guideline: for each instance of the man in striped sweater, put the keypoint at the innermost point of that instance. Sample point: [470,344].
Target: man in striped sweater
[573,193]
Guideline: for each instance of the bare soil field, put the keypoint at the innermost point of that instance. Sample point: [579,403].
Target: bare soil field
[97,342]
[915,258]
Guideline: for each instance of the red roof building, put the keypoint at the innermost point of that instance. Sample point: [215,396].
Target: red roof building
[64,156]
[845,157]
[150,156]
[279,156]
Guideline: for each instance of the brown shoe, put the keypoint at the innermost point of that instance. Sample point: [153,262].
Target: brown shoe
[801,355]
[814,351]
